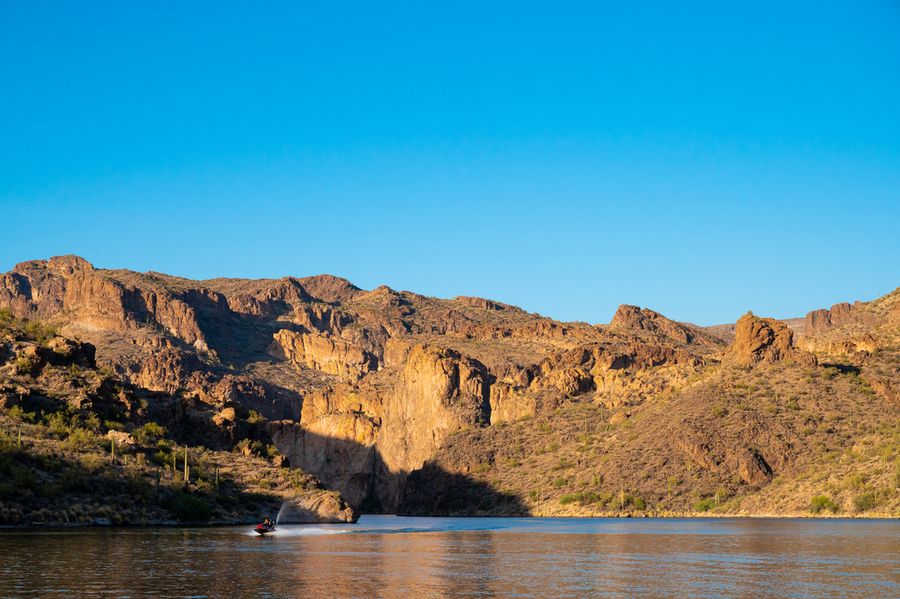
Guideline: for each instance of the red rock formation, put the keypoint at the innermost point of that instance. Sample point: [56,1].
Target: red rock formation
[764,340]
[330,355]
[633,318]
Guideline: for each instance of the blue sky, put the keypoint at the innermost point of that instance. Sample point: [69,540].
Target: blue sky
[701,159]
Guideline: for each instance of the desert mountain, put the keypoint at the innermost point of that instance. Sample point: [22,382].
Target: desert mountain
[404,402]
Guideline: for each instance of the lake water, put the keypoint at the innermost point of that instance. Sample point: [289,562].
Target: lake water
[386,556]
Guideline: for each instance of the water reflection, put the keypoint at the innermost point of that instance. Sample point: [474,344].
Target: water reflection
[463,557]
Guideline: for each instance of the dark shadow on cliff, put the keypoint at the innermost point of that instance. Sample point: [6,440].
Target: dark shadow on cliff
[432,491]
[360,474]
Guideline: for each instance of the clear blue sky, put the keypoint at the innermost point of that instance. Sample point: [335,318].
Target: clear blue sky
[701,159]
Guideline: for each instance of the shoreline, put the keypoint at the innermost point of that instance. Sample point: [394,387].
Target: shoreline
[63,526]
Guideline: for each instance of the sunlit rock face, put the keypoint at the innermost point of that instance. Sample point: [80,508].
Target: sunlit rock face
[364,389]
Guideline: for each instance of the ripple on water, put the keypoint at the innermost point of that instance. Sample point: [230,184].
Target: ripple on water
[390,556]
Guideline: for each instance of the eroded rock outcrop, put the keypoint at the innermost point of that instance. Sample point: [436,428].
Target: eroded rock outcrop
[69,288]
[861,327]
[317,507]
[438,392]
[633,318]
[324,353]
[820,321]
[764,341]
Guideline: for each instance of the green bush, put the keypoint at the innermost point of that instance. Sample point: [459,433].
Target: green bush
[584,498]
[24,366]
[80,438]
[91,422]
[58,424]
[704,505]
[865,502]
[821,503]
[162,457]
[148,433]
[92,462]
[254,417]
[39,332]
[17,413]
[189,508]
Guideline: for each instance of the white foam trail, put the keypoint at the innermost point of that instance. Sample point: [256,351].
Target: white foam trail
[299,531]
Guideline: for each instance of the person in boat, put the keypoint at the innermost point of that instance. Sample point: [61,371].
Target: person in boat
[268,523]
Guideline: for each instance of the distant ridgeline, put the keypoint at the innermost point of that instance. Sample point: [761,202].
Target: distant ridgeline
[142,397]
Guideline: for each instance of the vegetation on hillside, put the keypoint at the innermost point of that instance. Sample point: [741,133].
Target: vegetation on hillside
[80,446]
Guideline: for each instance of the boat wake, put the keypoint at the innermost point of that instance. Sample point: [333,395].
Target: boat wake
[298,531]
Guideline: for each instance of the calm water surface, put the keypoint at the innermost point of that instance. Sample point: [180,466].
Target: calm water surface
[386,556]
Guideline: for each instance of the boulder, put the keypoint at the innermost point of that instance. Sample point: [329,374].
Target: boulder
[317,507]
[764,341]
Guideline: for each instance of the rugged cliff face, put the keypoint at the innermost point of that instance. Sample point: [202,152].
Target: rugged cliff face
[79,444]
[382,393]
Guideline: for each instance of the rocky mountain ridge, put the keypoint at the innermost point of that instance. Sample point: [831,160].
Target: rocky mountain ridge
[389,396]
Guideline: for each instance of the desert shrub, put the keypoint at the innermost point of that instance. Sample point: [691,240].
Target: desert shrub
[857,481]
[298,480]
[24,365]
[639,503]
[73,479]
[92,462]
[148,433]
[718,411]
[91,422]
[39,332]
[704,505]
[189,508]
[255,417]
[58,424]
[112,425]
[584,498]
[17,413]
[865,502]
[81,438]
[140,487]
[162,457]
[822,503]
